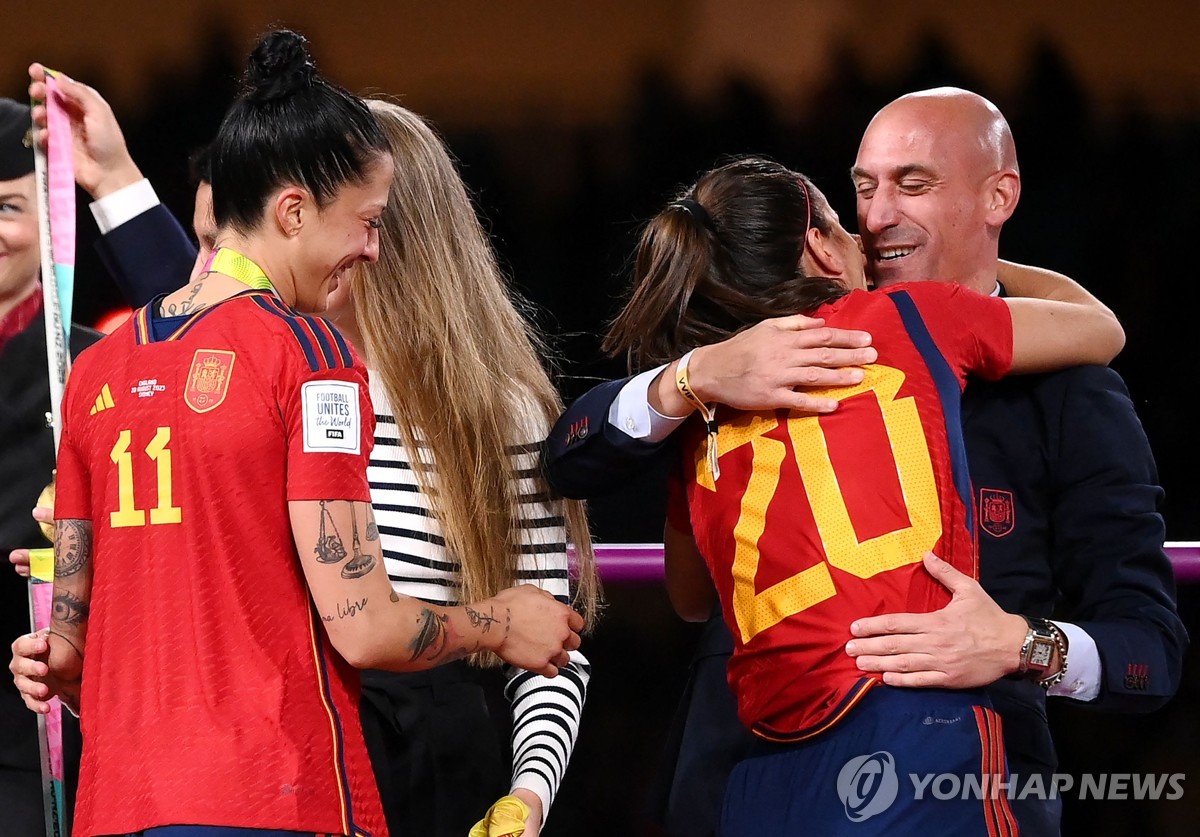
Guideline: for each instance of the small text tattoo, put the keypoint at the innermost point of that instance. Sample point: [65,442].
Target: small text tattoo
[188,305]
[73,546]
[351,608]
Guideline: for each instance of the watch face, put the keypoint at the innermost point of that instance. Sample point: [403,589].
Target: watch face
[1043,652]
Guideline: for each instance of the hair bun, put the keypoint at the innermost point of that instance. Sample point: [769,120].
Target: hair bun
[279,66]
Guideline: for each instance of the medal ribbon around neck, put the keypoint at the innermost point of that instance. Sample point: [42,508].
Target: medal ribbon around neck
[239,267]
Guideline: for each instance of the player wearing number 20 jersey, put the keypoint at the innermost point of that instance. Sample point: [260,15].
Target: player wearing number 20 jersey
[816,521]
[211,694]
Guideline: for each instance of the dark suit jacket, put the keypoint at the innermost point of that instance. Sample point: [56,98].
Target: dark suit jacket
[26,466]
[1066,453]
[148,255]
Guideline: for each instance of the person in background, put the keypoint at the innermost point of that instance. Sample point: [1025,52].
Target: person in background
[26,455]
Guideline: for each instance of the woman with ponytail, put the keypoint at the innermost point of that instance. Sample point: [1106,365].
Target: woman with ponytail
[797,524]
[219,479]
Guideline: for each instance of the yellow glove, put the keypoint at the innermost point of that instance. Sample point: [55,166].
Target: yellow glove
[506,818]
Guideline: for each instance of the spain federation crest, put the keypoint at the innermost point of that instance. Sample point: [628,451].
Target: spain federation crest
[997,516]
[208,379]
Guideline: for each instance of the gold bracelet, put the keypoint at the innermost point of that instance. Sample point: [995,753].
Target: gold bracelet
[709,414]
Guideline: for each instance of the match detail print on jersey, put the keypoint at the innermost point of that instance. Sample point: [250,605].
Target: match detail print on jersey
[332,419]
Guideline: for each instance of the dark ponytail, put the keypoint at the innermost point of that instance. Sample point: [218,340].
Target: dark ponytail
[720,258]
[288,127]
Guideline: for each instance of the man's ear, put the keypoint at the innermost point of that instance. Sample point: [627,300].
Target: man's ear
[824,259]
[290,210]
[1002,197]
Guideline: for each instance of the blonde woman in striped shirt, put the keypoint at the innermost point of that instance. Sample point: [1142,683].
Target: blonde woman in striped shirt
[462,403]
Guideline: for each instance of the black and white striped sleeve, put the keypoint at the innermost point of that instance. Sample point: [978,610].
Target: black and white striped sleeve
[546,711]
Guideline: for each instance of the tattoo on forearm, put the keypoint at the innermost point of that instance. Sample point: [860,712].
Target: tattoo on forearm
[483,621]
[72,546]
[372,531]
[394,596]
[430,640]
[69,609]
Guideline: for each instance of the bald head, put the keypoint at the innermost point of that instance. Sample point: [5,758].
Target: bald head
[936,177]
[960,116]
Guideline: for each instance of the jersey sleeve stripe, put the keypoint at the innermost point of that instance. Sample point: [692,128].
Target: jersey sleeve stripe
[948,391]
[314,327]
[339,342]
[269,305]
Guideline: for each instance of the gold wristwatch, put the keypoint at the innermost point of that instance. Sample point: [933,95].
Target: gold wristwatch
[1037,652]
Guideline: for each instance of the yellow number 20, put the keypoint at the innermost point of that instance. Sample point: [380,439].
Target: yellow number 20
[127,513]
[758,610]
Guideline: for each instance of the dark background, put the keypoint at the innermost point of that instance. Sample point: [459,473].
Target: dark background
[574,122]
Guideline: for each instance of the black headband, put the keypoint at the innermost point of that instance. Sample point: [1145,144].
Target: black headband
[696,210]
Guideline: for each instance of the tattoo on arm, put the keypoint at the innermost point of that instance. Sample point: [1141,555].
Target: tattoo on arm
[329,549]
[69,609]
[348,610]
[372,531]
[483,621]
[360,563]
[73,546]
[430,640]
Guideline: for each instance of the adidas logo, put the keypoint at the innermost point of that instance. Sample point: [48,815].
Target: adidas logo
[103,401]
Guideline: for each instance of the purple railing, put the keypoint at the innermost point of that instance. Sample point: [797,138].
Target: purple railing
[643,562]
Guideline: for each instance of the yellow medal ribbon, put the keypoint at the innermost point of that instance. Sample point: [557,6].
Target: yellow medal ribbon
[241,268]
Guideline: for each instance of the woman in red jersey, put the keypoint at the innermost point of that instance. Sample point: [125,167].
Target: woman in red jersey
[802,523]
[219,573]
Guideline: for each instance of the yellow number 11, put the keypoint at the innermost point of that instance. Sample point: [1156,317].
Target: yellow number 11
[127,513]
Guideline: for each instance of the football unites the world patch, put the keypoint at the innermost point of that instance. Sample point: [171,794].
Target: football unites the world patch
[332,419]
[208,379]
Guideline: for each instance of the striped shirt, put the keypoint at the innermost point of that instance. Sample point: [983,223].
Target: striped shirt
[545,711]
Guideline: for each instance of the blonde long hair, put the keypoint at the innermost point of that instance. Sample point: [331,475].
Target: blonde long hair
[460,364]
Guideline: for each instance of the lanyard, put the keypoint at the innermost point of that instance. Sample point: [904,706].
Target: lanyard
[239,267]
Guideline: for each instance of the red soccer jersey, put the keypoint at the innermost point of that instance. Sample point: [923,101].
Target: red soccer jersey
[818,521]
[211,694]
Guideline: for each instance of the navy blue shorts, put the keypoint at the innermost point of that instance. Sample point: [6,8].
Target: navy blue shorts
[904,761]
